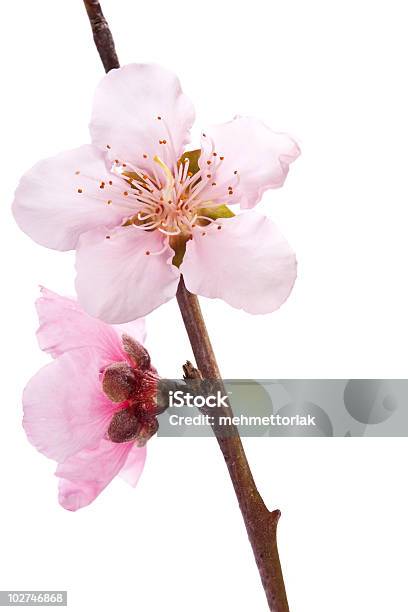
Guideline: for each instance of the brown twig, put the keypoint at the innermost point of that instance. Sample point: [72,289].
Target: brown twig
[260,523]
[102,35]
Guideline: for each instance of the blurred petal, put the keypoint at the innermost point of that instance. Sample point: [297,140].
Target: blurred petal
[65,409]
[122,278]
[134,465]
[87,473]
[64,326]
[54,204]
[134,329]
[136,107]
[254,159]
[246,262]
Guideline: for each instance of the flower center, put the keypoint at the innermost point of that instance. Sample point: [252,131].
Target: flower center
[169,195]
[171,203]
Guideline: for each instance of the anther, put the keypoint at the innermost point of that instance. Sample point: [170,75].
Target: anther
[147,252]
[109,201]
[209,162]
[125,193]
[221,157]
[159,118]
[79,190]
[108,146]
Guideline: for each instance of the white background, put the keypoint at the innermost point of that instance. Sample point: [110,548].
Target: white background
[333,74]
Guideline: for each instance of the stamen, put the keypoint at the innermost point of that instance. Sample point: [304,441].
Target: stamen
[176,232]
[168,174]
[158,252]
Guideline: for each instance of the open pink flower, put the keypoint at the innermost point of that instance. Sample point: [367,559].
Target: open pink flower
[140,210]
[93,408]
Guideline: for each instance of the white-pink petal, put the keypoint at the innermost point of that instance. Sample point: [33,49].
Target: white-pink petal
[65,409]
[85,475]
[134,465]
[123,277]
[60,198]
[65,326]
[137,108]
[254,159]
[136,329]
[247,263]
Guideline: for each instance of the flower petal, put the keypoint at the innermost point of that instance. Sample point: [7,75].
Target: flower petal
[134,465]
[123,278]
[54,205]
[254,159]
[65,326]
[136,107]
[135,329]
[87,473]
[65,409]
[246,262]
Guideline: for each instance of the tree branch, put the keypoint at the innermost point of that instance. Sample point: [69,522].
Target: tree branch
[260,523]
[102,35]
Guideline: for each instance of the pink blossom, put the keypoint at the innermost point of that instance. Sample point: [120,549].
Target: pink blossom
[140,211]
[92,409]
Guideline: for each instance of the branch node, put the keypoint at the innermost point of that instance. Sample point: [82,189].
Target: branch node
[191,372]
[275,516]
